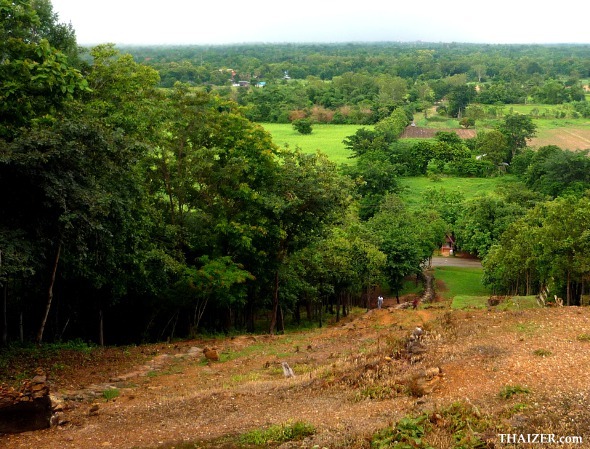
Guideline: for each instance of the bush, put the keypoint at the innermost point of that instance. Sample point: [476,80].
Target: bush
[303,126]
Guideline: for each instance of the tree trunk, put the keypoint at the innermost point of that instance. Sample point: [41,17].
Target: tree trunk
[568,290]
[275,305]
[308,308]
[5,315]
[100,328]
[281,321]
[21,328]
[49,296]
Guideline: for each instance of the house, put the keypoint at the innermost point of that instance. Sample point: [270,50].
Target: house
[448,247]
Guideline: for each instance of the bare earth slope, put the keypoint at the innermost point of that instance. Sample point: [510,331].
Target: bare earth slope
[352,379]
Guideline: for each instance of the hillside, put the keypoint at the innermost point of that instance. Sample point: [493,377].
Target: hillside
[473,374]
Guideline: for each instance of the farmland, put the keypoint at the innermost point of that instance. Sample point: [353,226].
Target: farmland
[567,133]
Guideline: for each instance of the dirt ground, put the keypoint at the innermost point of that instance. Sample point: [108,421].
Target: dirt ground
[170,394]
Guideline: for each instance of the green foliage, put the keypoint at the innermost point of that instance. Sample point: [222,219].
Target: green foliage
[460,425]
[278,434]
[549,242]
[111,394]
[408,433]
[517,129]
[401,236]
[508,391]
[37,77]
[302,126]
[555,172]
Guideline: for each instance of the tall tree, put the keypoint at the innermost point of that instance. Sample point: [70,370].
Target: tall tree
[517,129]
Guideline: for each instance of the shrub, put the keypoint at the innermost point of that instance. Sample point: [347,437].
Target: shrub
[511,390]
[303,126]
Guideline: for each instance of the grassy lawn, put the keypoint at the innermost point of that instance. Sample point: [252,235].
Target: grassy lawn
[460,281]
[326,138]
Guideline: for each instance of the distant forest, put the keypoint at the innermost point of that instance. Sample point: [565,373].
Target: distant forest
[363,82]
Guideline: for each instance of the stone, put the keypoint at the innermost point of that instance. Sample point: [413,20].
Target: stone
[27,409]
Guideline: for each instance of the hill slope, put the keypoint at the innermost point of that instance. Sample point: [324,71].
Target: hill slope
[353,379]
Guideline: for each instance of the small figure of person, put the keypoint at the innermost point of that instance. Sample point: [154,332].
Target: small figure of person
[379,301]
[415,303]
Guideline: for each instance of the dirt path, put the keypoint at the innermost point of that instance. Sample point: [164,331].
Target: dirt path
[456,262]
[340,371]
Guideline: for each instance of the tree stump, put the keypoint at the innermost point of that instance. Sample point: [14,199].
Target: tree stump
[26,409]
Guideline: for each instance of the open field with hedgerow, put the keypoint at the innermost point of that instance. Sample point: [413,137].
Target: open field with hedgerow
[566,133]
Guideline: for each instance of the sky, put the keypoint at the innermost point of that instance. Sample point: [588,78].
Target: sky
[204,22]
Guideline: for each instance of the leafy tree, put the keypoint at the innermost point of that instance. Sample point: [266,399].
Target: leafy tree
[546,247]
[74,199]
[403,238]
[364,141]
[492,145]
[302,126]
[37,78]
[392,127]
[517,129]
[482,222]
[554,171]
[459,97]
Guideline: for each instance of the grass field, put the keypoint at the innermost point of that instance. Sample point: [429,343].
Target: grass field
[325,138]
[461,281]
[414,187]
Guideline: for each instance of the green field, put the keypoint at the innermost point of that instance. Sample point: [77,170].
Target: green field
[414,187]
[325,138]
[460,281]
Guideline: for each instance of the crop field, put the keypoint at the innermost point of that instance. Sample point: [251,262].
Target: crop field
[566,133]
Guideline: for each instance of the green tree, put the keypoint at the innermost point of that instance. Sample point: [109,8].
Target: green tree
[405,239]
[302,126]
[517,129]
[492,145]
[37,78]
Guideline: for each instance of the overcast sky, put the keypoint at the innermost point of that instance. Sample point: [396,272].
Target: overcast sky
[230,21]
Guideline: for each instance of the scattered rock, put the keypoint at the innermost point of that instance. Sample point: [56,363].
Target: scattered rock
[93,410]
[211,354]
[28,408]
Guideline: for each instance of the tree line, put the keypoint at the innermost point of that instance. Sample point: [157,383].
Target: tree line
[362,83]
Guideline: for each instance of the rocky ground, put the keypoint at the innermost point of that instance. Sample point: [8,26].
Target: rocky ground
[515,372]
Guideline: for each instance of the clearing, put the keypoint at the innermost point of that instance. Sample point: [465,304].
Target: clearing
[519,371]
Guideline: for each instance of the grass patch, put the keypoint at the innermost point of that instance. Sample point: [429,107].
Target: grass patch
[584,337]
[278,434]
[527,328]
[111,393]
[509,391]
[542,352]
[462,281]
[414,187]
[469,302]
[326,138]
